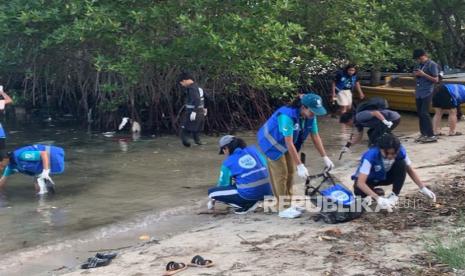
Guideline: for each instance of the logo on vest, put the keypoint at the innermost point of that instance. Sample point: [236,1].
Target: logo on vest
[339,196]
[377,168]
[297,126]
[247,162]
[318,103]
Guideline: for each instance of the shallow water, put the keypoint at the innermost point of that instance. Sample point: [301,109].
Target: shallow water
[117,181]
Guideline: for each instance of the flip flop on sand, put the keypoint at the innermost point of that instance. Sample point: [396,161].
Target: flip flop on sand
[95,262]
[174,267]
[457,133]
[199,261]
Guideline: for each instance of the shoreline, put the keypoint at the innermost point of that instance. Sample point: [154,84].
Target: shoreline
[251,244]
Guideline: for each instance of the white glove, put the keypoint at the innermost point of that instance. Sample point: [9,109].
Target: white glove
[393,199]
[387,123]
[329,165]
[384,203]
[427,192]
[124,121]
[42,186]
[302,171]
[45,175]
[193,115]
[1,88]
[205,112]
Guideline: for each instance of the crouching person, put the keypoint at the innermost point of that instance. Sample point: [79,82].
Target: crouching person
[39,161]
[384,165]
[244,179]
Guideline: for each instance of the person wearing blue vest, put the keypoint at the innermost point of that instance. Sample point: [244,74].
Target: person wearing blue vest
[282,136]
[384,165]
[244,179]
[447,97]
[344,83]
[39,161]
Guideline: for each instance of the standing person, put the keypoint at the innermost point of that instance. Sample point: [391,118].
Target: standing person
[37,160]
[194,115]
[384,165]
[427,74]
[448,97]
[244,179]
[343,85]
[3,103]
[282,136]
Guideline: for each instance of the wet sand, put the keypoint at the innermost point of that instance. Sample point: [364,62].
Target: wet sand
[264,244]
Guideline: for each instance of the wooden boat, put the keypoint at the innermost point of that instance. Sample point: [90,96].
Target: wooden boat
[399,92]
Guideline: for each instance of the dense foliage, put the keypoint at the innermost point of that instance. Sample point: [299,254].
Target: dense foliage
[77,56]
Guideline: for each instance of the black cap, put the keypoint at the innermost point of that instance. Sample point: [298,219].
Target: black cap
[418,53]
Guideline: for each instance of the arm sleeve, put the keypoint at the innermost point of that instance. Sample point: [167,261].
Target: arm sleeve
[408,162]
[286,125]
[366,167]
[8,171]
[314,126]
[225,177]
[262,159]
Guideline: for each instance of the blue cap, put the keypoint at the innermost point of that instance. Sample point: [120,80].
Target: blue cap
[314,103]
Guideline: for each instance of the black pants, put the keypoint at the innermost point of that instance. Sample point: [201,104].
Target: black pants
[426,126]
[395,177]
[379,130]
[185,136]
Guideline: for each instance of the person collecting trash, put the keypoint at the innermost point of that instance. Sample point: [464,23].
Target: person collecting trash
[384,165]
[373,115]
[244,180]
[447,98]
[39,161]
[282,136]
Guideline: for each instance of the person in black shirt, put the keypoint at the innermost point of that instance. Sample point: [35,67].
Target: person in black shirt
[194,116]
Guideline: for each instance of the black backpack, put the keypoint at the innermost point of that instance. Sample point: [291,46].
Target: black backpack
[375,103]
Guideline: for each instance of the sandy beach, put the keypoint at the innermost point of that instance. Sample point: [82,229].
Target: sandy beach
[264,244]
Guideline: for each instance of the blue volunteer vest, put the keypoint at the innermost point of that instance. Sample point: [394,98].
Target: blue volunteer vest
[346,82]
[374,156]
[271,140]
[57,160]
[250,174]
[457,93]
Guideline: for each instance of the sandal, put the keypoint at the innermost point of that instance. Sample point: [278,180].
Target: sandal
[198,261]
[440,134]
[95,262]
[174,267]
[457,133]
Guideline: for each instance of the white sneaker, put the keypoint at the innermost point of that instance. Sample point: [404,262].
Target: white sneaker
[290,213]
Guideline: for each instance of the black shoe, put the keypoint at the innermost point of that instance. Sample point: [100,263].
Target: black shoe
[186,144]
[431,139]
[245,210]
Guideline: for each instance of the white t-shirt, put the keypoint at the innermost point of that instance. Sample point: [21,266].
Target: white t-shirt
[366,165]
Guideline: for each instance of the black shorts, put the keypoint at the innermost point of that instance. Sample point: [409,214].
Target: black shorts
[442,99]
